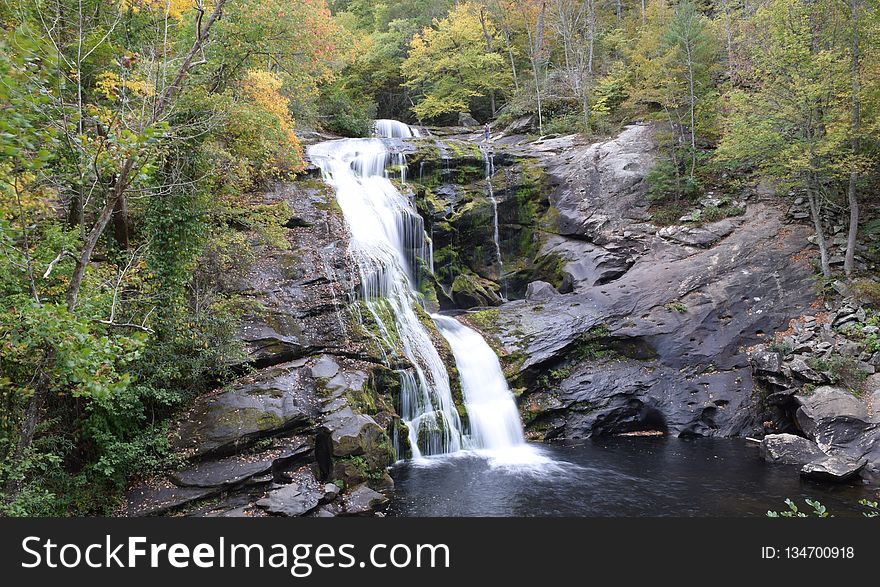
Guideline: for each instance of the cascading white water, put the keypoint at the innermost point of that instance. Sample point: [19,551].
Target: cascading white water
[489,160]
[394,129]
[387,243]
[492,414]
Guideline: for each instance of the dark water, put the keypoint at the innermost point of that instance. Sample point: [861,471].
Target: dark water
[616,477]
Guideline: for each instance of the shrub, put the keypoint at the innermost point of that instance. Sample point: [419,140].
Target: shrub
[867,291]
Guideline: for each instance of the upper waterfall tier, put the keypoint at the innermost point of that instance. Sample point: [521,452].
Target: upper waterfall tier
[387,242]
[394,129]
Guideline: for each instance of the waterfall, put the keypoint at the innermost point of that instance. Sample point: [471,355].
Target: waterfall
[492,414]
[394,129]
[489,160]
[390,249]
[388,243]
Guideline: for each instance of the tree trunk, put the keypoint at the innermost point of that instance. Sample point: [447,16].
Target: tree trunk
[693,106]
[121,222]
[728,30]
[536,43]
[856,120]
[31,419]
[815,214]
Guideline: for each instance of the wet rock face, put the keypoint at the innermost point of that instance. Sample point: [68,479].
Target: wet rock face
[447,180]
[677,307]
[690,312]
[300,292]
[271,442]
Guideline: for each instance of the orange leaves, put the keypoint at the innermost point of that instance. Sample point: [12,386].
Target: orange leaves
[263,89]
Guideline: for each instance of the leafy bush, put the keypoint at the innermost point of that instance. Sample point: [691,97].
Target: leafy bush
[666,182]
[345,112]
[867,291]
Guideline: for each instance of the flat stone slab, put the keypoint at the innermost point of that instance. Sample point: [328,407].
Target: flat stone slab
[298,498]
[789,449]
[837,469]
[280,399]
[362,501]
[698,236]
[157,500]
[225,472]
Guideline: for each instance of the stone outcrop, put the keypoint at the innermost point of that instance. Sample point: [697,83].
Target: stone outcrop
[818,381]
[652,330]
[310,427]
[790,449]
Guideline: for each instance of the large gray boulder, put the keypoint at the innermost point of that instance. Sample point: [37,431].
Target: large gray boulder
[272,401]
[538,291]
[585,264]
[465,119]
[699,236]
[301,496]
[362,501]
[789,449]
[836,469]
[831,413]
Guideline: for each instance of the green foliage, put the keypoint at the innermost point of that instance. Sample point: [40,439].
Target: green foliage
[346,112]
[820,511]
[450,65]
[873,508]
[676,306]
[665,183]
[841,369]
[867,291]
[792,512]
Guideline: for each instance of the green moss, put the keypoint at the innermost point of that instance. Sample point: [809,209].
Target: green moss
[676,306]
[549,268]
[485,319]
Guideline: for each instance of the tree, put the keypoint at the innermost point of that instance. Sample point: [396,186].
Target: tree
[688,38]
[576,24]
[450,66]
[791,127]
[533,14]
[855,132]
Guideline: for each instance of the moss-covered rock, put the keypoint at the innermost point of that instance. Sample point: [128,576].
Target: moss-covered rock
[470,290]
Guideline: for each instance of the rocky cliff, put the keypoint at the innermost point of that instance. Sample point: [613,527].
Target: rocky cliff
[606,321]
[308,430]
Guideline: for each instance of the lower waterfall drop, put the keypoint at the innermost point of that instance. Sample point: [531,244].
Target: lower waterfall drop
[492,414]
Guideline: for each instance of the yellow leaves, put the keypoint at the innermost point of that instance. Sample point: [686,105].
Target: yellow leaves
[110,85]
[263,89]
[173,8]
[34,199]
